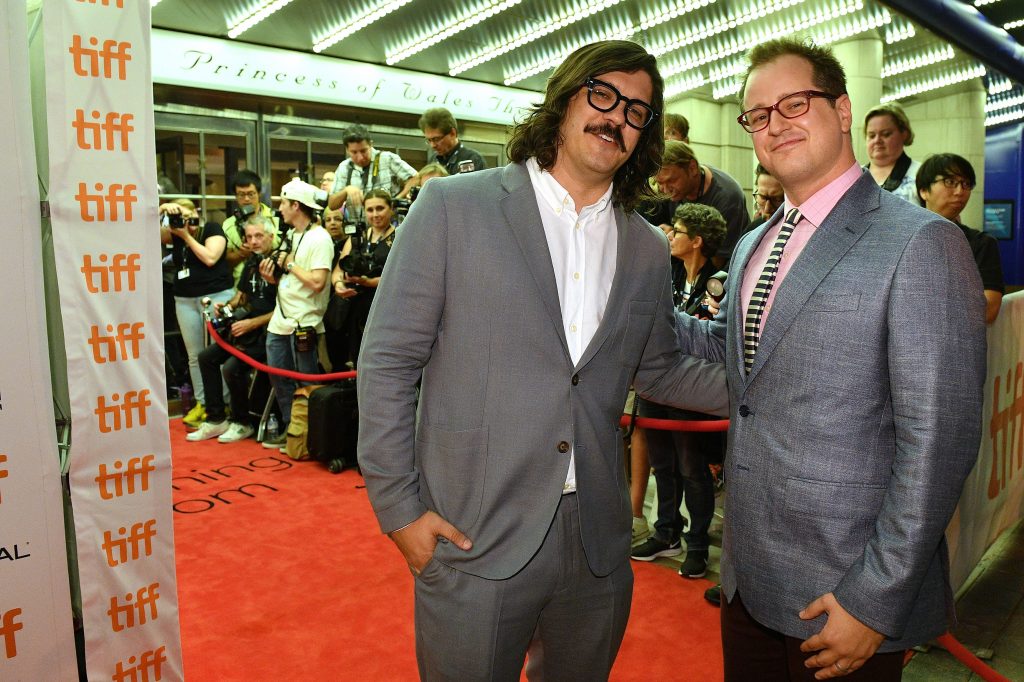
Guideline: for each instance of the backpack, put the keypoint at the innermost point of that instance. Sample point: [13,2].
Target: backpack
[298,428]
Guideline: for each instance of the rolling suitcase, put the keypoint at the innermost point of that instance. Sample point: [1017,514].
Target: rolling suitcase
[334,425]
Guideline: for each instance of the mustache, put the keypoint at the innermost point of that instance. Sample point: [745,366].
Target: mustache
[611,131]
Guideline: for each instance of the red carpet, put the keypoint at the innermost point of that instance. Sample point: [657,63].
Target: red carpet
[283,575]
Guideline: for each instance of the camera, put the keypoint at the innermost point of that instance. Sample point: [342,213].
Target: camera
[358,263]
[222,322]
[716,285]
[228,316]
[178,220]
[284,248]
[241,214]
[715,290]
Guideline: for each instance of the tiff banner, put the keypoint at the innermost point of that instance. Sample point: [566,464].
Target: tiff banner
[993,496]
[103,203]
[36,625]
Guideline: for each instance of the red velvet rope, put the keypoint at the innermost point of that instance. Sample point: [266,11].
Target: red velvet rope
[299,376]
[962,654]
[700,425]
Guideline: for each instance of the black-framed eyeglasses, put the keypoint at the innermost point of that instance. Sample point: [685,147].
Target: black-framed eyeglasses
[790,106]
[604,97]
[951,183]
[768,197]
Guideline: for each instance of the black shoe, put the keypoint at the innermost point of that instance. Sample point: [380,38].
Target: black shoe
[654,548]
[695,565]
[714,595]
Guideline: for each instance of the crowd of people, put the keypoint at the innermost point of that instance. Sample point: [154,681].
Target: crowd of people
[292,287]
[449,324]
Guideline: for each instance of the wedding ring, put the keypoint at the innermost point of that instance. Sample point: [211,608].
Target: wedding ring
[840,668]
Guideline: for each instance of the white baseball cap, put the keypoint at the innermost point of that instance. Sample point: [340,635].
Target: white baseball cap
[302,192]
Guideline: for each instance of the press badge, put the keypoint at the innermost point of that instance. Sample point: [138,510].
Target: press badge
[183,273]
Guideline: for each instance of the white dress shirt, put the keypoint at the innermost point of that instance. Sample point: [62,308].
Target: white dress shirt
[583,248]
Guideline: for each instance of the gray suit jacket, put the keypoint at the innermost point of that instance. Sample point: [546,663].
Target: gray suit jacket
[853,433]
[468,303]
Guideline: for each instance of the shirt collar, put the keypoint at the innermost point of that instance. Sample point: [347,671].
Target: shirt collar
[557,197]
[821,203]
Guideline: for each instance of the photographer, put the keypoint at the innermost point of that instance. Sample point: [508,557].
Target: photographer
[244,321]
[680,459]
[200,271]
[300,269]
[361,264]
[365,169]
[247,187]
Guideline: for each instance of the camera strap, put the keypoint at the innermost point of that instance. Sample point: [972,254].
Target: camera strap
[295,255]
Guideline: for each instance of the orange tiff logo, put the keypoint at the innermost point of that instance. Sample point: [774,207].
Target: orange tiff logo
[3,474]
[88,60]
[104,207]
[125,547]
[137,609]
[106,3]
[109,416]
[145,668]
[1007,430]
[122,272]
[112,131]
[134,478]
[8,627]
[105,347]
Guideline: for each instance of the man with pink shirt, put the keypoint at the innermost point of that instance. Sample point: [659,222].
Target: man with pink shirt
[855,361]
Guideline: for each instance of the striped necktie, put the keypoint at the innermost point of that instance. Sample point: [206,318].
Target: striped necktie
[758,299]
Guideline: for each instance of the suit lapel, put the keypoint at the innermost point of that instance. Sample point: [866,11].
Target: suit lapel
[614,309]
[523,218]
[830,242]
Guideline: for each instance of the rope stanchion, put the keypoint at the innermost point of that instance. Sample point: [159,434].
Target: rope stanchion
[975,664]
[694,425]
[298,376]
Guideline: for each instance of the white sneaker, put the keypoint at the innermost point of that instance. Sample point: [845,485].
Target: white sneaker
[235,433]
[207,431]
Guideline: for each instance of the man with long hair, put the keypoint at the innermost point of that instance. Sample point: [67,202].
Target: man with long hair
[525,300]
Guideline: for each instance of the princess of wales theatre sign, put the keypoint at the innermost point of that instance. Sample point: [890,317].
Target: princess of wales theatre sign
[213,64]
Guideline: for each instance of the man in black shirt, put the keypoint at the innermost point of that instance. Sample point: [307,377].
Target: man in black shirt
[944,184]
[442,133]
[251,306]
[684,179]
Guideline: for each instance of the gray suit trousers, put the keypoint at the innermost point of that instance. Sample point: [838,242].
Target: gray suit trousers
[470,628]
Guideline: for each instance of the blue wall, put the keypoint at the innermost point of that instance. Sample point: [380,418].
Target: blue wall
[1004,180]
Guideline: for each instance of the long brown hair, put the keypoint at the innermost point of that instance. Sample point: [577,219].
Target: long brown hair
[539,134]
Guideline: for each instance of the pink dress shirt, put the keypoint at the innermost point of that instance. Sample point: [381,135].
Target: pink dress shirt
[812,213]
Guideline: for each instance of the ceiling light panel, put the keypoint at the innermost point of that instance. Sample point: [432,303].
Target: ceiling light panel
[898,31]
[672,11]
[1005,102]
[940,80]
[357,21]
[998,83]
[728,45]
[258,13]
[546,26]
[1004,117]
[1010,25]
[828,33]
[909,62]
[467,18]
[615,30]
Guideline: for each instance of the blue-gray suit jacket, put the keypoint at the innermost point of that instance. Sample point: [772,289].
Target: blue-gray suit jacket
[852,435]
[468,302]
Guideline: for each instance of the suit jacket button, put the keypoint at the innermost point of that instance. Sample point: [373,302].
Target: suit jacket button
[744,410]
[575,379]
[563,447]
